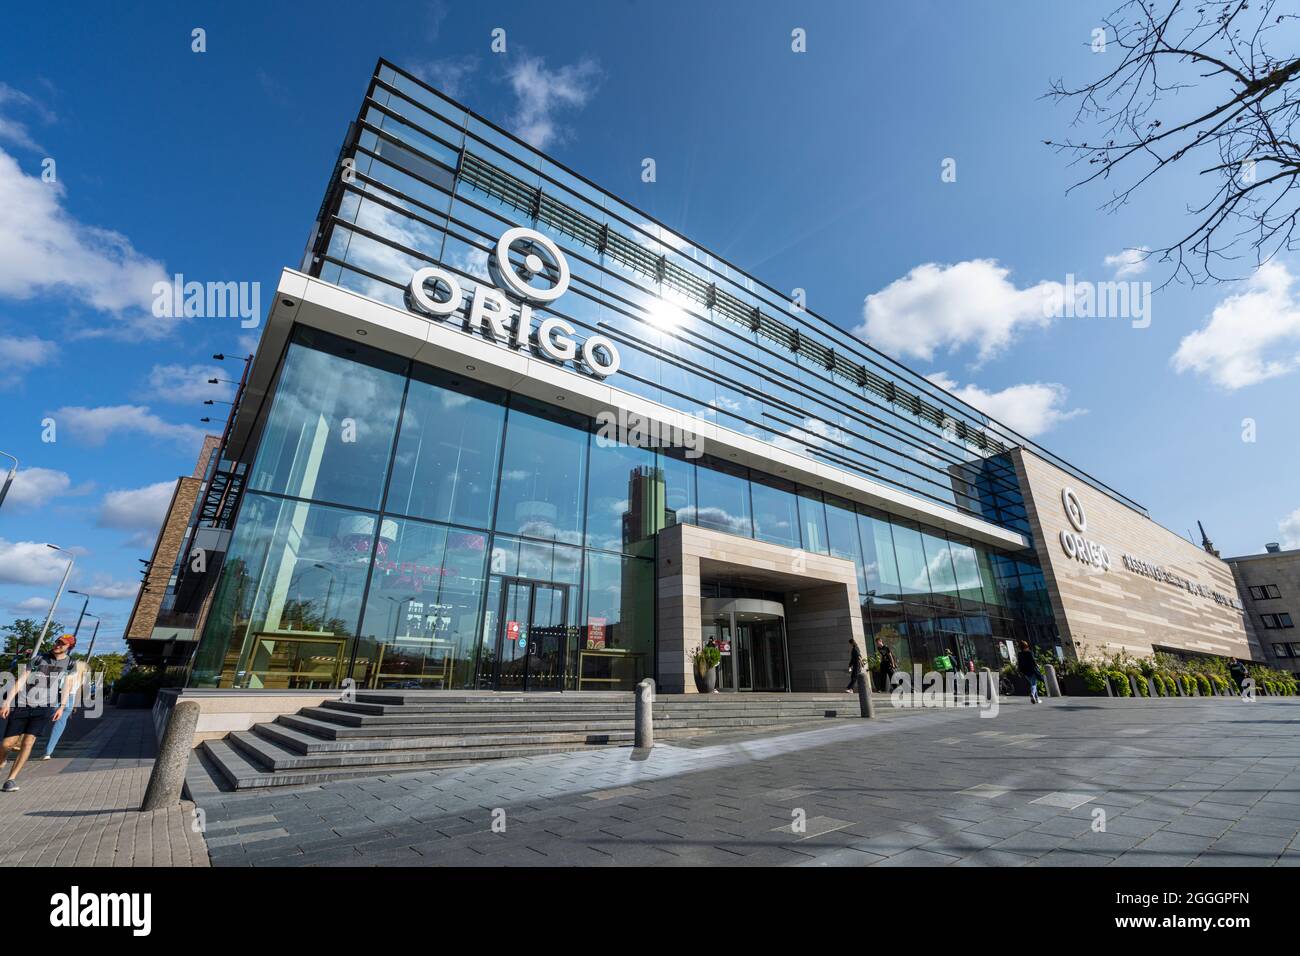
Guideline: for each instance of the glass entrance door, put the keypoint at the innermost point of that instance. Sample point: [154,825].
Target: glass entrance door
[531,635]
[750,634]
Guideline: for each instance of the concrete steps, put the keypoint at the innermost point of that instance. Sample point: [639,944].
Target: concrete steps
[388,732]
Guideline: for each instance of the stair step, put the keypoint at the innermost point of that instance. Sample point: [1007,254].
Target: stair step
[311,739]
[276,756]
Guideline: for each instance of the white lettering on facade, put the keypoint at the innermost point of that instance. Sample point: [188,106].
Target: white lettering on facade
[437,292]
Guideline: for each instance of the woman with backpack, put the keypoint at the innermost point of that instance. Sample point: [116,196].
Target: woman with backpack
[1028,667]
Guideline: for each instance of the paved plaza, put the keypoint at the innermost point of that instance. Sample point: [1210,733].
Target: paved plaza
[1073,782]
[81,807]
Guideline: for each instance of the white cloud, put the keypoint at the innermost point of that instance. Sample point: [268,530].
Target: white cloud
[1031,409]
[41,604]
[1250,337]
[937,307]
[30,562]
[95,426]
[448,75]
[109,590]
[136,509]
[11,130]
[33,487]
[542,93]
[45,251]
[188,383]
[19,353]
[1290,528]
[1130,262]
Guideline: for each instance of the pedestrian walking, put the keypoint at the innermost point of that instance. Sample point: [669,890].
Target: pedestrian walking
[855,664]
[885,665]
[31,705]
[68,692]
[1028,667]
[1239,674]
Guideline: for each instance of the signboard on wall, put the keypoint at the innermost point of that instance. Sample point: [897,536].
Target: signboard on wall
[596,632]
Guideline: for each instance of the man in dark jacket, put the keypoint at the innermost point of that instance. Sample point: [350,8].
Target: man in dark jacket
[855,664]
[1238,671]
[886,665]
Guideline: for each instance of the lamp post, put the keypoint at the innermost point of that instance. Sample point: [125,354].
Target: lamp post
[55,603]
[9,478]
[93,634]
[77,630]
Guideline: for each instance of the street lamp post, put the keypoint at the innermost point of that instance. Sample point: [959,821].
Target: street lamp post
[9,478]
[55,603]
[80,617]
[93,634]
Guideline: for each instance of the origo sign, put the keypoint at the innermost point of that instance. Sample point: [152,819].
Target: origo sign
[1073,543]
[507,316]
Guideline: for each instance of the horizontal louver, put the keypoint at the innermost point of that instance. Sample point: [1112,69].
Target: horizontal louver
[536,204]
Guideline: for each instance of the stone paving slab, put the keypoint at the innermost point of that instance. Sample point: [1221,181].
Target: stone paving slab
[81,807]
[1055,785]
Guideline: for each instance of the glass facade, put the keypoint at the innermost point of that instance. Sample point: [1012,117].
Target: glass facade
[434,184]
[402,526]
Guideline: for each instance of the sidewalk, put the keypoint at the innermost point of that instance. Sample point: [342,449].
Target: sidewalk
[80,808]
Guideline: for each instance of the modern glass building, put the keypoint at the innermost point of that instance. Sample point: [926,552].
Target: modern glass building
[426,492]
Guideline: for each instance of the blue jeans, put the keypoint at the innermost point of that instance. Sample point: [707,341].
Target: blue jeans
[1033,685]
[57,731]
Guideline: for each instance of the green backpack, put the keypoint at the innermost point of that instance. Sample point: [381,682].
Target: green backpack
[943,662]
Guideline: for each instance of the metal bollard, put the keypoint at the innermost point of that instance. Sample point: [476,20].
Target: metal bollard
[865,706]
[990,688]
[645,721]
[168,774]
[1053,682]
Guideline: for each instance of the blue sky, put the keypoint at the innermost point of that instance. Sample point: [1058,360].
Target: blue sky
[818,170]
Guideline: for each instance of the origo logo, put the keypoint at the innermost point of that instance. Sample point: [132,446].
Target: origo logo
[1073,543]
[438,293]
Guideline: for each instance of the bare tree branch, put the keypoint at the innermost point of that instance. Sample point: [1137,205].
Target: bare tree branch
[1194,79]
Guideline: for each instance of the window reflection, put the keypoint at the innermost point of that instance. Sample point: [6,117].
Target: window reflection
[330,430]
[448,449]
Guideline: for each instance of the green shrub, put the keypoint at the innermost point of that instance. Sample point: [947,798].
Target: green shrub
[1220,683]
[1093,678]
[1143,689]
[1119,683]
[1202,684]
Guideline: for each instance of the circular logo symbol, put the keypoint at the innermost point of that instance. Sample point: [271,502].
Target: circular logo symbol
[532,243]
[1074,509]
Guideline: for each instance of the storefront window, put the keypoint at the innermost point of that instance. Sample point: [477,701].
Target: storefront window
[812,521]
[776,510]
[625,496]
[420,627]
[842,533]
[938,563]
[723,497]
[878,557]
[679,488]
[912,575]
[543,472]
[448,450]
[290,596]
[616,641]
[330,431]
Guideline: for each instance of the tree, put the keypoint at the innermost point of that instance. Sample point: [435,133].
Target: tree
[20,636]
[1198,85]
[110,665]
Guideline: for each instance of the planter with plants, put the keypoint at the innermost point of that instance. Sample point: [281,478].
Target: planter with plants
[706,660]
